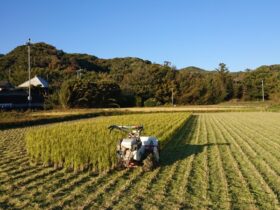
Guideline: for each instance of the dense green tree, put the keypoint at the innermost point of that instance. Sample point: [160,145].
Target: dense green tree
[191,87]
[85,93]
[140,82]
[150,81]
[224,81]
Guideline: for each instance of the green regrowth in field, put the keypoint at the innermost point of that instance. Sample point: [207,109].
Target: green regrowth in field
[89,144]
[216,161]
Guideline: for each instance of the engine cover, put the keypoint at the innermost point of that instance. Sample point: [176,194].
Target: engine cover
[129,143]
[149,140]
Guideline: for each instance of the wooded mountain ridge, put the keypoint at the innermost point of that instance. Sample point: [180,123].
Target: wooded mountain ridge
[136,81]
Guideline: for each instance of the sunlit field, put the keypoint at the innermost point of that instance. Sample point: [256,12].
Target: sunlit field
[213,161]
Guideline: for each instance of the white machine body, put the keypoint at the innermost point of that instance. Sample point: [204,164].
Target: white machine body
[149,140]
[135,148]
[128,143]
[147,143]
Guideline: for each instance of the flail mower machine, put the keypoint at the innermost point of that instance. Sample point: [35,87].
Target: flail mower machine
[136,150]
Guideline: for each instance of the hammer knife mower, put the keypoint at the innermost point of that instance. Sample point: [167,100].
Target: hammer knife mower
[136,150]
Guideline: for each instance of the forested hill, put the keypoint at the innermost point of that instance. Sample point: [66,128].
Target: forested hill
[46,59]
[134,81]
[193,69]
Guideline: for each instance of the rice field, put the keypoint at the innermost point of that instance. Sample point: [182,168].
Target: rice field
[215,161]
[89,144]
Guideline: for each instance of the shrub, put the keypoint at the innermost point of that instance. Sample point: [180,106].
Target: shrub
[151,102]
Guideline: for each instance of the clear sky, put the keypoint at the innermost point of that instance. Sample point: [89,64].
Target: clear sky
[241,33]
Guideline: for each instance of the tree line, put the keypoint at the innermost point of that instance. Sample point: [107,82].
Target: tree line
[81,80]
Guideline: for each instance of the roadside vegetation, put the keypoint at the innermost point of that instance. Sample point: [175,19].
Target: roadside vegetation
[13,119]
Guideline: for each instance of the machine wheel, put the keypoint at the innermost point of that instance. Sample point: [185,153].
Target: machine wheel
[149,163]
[120,165]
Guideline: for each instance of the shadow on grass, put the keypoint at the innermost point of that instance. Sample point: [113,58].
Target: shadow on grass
[46,120]
[179,148]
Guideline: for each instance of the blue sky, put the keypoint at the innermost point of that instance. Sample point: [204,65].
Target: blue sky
[241,33]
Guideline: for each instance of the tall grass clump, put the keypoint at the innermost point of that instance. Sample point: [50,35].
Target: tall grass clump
[88,144]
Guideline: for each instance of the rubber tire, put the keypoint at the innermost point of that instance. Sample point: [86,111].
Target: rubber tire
[149,163]
[120,165]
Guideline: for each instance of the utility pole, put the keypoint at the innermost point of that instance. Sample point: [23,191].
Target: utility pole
[79,73]
[29,73]
[172,97]
[9,74]
[262,91]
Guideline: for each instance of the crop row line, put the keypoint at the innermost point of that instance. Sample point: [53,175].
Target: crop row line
[248,169]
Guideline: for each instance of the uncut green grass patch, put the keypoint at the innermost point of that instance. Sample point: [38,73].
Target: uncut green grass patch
[88,143]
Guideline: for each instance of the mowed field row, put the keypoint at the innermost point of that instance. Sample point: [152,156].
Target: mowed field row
[216,161]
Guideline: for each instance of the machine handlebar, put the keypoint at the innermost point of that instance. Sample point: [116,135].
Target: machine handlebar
[127,128]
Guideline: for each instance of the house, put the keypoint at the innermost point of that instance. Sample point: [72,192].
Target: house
[17,98]
[35,81]
[10,98]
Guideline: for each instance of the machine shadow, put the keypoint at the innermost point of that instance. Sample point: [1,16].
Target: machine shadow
[179,148]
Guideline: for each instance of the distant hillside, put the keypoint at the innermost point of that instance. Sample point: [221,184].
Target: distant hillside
[139,81]
[271,68]
[46,56]
[46,59]
[193,69]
